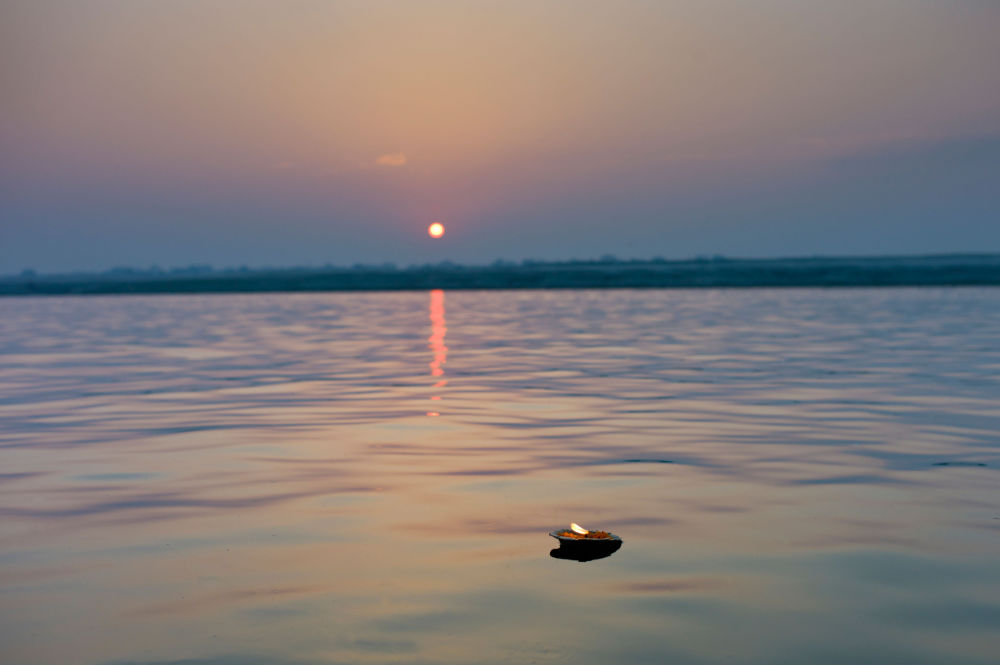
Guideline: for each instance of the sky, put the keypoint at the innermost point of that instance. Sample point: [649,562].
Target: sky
[301,132]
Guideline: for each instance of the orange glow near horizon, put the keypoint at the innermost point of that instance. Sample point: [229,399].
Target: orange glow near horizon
[435,230]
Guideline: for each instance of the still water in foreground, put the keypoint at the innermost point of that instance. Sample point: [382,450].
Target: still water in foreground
[799,476]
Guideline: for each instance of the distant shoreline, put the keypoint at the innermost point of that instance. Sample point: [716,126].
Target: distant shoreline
[940,270]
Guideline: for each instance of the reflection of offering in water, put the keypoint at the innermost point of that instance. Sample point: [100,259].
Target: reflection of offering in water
[580,544]
[583,554]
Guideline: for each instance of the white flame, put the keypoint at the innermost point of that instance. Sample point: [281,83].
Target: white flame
[579,529]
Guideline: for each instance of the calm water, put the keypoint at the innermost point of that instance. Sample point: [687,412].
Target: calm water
[800,476]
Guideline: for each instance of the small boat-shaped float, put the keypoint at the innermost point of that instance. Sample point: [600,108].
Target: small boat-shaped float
[579,544]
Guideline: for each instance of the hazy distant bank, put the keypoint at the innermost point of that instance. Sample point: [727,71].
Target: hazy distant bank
[943,270]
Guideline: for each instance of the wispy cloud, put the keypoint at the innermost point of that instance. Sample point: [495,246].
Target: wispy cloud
[391,159]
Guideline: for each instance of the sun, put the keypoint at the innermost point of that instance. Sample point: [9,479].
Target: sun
[435,230]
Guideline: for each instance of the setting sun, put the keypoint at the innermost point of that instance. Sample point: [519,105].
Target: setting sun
[435,230]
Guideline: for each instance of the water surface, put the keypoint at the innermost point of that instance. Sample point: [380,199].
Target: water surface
[800,476]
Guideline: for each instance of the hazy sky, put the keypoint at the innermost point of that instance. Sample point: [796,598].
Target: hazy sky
[231,132]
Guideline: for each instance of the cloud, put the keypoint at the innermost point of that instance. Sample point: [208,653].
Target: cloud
[391,159]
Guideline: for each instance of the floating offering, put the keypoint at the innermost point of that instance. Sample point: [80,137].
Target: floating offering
[580,544]
[577,533]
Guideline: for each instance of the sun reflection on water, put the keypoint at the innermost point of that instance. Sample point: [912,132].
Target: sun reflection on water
[436,342]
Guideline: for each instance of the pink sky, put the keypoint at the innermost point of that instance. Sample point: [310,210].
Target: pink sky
[305,132]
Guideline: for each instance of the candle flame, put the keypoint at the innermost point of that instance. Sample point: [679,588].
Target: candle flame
[579,529]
